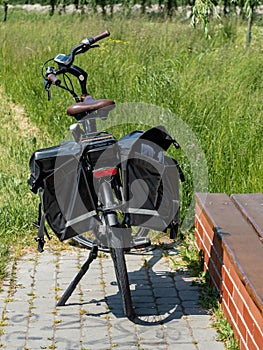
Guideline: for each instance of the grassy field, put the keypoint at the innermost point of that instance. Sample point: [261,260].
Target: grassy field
[214,86]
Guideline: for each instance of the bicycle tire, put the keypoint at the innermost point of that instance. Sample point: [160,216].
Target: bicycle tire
[87,242]
[119,262]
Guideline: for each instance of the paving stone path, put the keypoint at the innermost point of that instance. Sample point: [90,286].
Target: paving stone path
[165,301]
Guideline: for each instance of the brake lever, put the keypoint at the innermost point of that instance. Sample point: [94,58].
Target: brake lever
[47,88]
[86,48]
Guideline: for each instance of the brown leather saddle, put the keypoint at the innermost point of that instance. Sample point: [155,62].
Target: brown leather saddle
[90,108]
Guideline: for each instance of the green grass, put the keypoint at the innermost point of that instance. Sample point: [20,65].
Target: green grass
[214,86]
[17,204]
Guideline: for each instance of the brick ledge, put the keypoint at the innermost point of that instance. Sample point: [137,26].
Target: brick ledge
[233,251]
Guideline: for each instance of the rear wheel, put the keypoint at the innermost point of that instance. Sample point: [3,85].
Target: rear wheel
[138,234]
[87,243]
[118,258]
[118,239]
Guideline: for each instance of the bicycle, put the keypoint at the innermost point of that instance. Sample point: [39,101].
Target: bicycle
[85,183]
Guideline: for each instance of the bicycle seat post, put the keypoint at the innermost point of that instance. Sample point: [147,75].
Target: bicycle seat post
[90,125]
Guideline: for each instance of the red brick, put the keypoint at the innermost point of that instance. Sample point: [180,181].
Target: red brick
[216,275]
[224,271]
[217,245]
[207,243]
[250,299]
[242,283]
[250,343]
[238,300]
[217,282]
[206,256]
[201,222]
[198,240]
[241,326]
[255,311]
[206,226]
[225,309]
[199,229]
[248,319]
[226,262]
[248,308]
[227,313]
[227,280]
[215,249]
[225,295]
[197,225]
[235,329]
[218,265]
[200,244]
[242,344]
[232,309]
[257,334]
[217,258]
[232,270]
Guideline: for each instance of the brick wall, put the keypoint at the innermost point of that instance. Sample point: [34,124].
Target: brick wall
[231,241]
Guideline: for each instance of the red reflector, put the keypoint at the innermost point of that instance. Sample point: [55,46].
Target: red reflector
[104,172]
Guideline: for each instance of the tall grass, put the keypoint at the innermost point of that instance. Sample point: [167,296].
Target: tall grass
[214,86]
[17,141]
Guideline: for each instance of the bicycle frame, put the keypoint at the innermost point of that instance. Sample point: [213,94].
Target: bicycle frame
[99,176]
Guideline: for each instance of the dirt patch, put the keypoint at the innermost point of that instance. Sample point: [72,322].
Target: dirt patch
[22,121]
[15,116]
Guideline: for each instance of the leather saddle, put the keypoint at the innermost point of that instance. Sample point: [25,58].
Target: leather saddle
[90,108]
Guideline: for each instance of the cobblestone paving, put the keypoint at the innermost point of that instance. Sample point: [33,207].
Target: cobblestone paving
[165,301]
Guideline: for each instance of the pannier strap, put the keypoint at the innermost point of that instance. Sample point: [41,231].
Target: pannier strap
[142,211]
[41,230]
[81,218]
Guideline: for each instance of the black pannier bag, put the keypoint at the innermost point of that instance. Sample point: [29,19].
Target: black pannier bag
[150,180]
[68,198]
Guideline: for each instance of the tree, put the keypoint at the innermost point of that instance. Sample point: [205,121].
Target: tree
[5,10]
[250,7]
[202,10]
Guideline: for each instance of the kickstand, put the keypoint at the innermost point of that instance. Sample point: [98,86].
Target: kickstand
[84,268]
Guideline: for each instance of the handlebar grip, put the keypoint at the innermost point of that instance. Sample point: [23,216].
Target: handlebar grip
[100,36]
[53,79]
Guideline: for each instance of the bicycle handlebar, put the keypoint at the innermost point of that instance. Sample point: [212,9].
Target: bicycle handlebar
[98,37]
[86,44]
[53,79]
[65,65]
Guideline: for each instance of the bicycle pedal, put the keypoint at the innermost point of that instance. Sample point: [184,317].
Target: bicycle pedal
[142,242]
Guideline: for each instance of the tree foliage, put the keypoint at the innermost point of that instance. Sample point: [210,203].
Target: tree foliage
[200,11]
